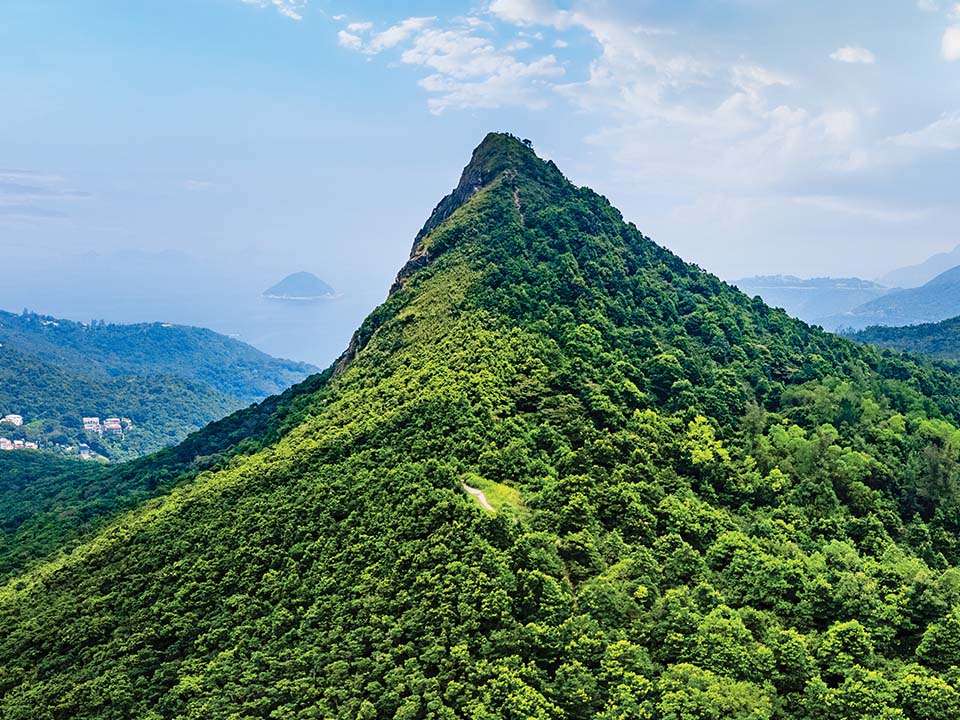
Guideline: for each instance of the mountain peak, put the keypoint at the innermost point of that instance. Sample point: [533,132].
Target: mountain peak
[497,154]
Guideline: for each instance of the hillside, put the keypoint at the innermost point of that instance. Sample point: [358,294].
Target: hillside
[702,508]
[229,366]
[937,300]
[47,502]
[940,339]
[813,300]
[163,381]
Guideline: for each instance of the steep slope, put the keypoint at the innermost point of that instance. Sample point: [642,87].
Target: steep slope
[937,300]
[813,300]
[941,340]
[48,502]
[705,509]
[108,350]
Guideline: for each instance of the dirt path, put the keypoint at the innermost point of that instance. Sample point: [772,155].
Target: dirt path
[478,494]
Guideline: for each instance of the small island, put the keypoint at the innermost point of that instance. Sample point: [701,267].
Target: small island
[300,287]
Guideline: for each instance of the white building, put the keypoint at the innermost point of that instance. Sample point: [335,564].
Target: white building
[15,420]
[92,424]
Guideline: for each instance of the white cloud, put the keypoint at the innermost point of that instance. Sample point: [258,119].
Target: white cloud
[291,8]
[928,5]
[944,134]
[692,123]
[197,185]
[467,70]
[393,36]
[951,43]
[531,12]
[854,55]
[560,43]
[349,40]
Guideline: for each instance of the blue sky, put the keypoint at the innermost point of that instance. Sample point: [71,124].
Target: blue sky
[269,136]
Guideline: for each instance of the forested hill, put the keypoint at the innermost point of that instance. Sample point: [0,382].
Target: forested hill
[940,339]
[105,349]
[702,509]
[164,381]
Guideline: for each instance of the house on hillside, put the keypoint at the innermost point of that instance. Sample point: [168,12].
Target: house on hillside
[5,444]
[15,420]
[92,424]
[83,450]
[112,425]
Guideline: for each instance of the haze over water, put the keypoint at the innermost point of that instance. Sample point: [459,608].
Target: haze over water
[174,288]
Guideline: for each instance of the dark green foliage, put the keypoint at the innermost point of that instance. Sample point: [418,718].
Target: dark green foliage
[47,502]
[725,513]
[940,339]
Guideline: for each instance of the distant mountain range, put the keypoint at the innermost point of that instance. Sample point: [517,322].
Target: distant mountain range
[926,292]
[813,299]
[916,275]
[937,300]
[165,381]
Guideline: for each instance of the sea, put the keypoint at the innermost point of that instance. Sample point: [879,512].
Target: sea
[140,287]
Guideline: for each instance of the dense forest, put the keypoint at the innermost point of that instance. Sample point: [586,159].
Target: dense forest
[167,380]
[703,508]
[941,340]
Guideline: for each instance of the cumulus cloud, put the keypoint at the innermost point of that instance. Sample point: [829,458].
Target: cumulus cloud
[466,69]
[664,109]
[854,55]
[291,8]
[943,134]
[951,43]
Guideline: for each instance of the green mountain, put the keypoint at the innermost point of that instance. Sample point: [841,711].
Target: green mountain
[702,508]
[937,300]
[167,380]
[813,300]
[940,339]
